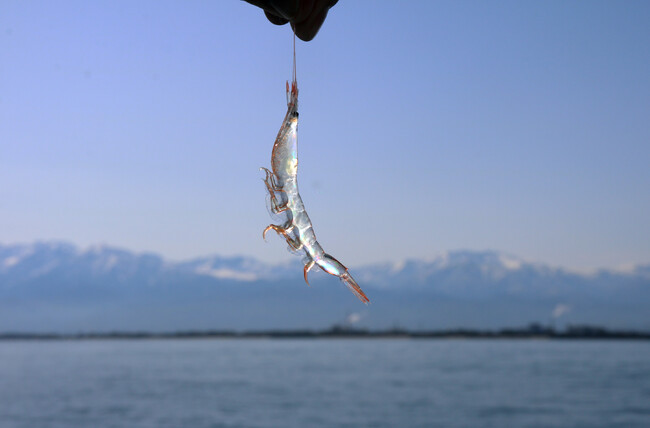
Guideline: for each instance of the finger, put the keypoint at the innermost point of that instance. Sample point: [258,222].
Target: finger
[262,4]
[269,10]
[307,29]
[275,19]
[289,9]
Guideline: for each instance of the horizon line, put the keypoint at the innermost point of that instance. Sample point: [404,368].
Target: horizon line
[534,330]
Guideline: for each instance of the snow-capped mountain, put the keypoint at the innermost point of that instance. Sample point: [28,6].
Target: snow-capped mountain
[55,285]
[20,263]
[240,268]
[63,261]
[462,267]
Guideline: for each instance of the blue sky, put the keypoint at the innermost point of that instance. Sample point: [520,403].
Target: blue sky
[517,126]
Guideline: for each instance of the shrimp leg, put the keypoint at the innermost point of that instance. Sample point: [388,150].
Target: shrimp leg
[272,187]
[308,267]
[284,231]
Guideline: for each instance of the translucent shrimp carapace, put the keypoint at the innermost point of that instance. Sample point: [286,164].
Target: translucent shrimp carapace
[282,185]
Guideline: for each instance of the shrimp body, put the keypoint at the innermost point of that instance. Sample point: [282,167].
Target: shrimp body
[282,184]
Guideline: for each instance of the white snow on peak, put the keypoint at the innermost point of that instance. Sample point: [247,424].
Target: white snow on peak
[11,261]
[442,260]
[44,269]
[509,263]
[110,262]
[626,268]
[225,273]
[95,249]
[22,253]
[398,266]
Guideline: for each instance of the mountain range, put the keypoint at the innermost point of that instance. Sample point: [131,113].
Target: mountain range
[59,287]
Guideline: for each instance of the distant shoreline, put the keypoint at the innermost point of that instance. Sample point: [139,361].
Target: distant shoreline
[533,331]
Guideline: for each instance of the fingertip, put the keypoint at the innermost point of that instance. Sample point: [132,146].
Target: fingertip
[307,29]
[290,9]
[275,19]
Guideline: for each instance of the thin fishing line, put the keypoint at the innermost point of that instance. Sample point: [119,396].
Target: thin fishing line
[294,56]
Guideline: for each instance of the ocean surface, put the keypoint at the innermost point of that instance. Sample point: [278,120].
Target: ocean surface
[324,383]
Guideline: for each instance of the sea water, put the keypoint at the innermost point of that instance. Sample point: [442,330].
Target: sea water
[324,383]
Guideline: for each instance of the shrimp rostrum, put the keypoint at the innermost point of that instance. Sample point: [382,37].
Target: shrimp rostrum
[282,185]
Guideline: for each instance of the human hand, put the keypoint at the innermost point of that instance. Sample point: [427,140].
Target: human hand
[305,16]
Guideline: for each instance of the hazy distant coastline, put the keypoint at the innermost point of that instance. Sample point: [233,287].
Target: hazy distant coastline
[533,331]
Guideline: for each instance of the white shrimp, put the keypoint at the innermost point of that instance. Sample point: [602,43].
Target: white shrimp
[282,185]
